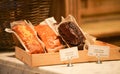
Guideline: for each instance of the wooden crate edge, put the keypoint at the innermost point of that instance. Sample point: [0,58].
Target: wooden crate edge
[31,59]
[23,56]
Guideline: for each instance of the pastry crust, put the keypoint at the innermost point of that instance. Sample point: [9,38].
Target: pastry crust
[28,37]
[51,40]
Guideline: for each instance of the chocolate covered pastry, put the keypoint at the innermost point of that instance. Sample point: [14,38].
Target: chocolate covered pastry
[71,33]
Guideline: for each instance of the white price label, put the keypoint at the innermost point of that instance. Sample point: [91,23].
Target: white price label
[96,50]
[69,53]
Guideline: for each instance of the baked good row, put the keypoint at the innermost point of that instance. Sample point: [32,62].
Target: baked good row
[49,36]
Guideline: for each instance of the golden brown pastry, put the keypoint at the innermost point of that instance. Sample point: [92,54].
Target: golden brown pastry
[28,37]
[48,36]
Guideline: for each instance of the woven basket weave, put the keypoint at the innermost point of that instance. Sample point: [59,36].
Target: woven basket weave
[12,10]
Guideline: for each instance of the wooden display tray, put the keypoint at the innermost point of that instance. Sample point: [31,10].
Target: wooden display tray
[54,58]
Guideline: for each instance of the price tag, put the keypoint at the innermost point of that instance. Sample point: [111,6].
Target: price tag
[96,50]
[69,53]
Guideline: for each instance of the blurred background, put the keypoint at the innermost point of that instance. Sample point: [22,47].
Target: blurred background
[100,18]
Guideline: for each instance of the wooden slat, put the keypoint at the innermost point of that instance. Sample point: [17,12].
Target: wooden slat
[73,7]
[100,10]
[23,56]
[95,7]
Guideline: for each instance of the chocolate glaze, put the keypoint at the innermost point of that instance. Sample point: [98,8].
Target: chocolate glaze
[71,34]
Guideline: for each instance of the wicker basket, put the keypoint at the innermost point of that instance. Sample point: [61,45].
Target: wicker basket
[12,10]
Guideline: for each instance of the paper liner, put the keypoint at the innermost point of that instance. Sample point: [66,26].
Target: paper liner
[51,23]
[31,26]
[88,38]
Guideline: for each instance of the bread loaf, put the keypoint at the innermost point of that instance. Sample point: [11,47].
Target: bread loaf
[51,40]
[28,37]
[71,34]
